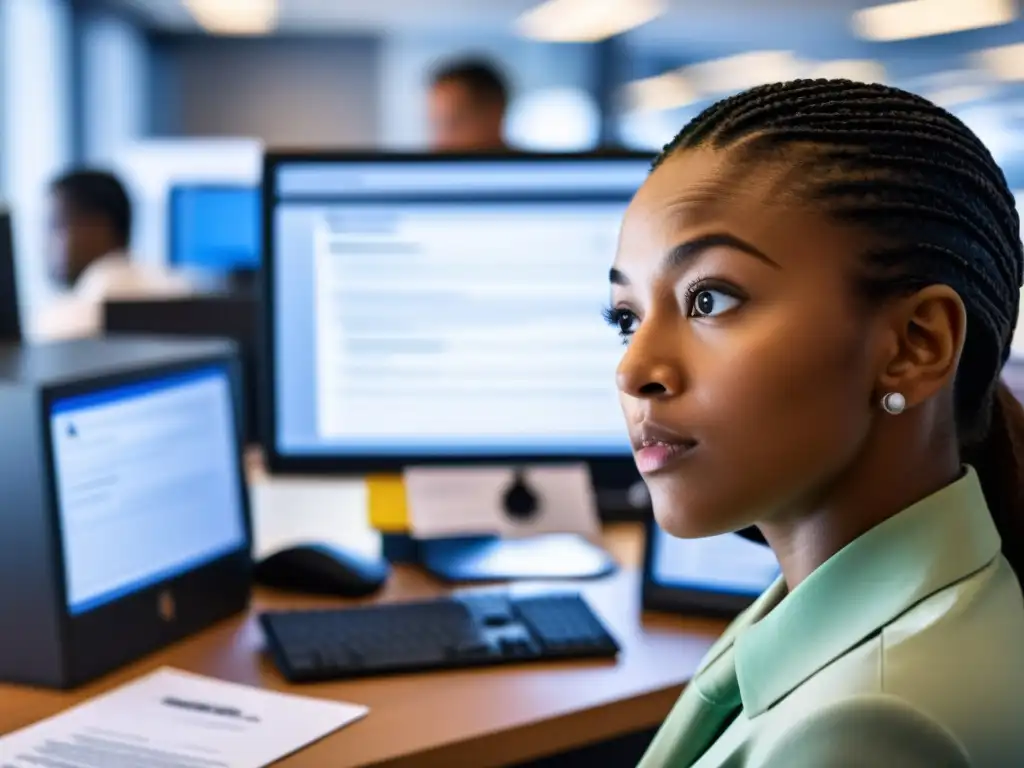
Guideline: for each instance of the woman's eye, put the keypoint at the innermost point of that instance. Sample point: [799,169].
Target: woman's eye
[622,320]
[708,303]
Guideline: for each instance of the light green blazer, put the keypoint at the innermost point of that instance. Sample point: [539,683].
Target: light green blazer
[904,650]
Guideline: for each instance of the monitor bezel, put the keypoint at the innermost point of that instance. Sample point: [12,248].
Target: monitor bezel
[657,596]
[236,561]
[172,231]
[611,466]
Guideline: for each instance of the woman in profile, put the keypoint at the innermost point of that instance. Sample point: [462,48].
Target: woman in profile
[817,286]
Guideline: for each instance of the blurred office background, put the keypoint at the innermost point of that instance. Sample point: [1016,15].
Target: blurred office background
[170,91]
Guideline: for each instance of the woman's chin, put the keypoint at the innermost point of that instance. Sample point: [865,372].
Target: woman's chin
[689,525]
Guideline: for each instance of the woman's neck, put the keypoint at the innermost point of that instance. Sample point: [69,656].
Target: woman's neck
[878,486]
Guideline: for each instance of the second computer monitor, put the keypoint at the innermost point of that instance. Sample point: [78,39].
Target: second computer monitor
[215,228]
[431,309]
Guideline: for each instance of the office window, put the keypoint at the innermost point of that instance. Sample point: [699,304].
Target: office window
[114,86]
[34,141]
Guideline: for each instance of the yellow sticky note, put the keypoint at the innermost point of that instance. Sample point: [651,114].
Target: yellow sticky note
[389,512]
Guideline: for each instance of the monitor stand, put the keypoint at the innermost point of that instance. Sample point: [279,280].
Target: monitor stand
[492,558]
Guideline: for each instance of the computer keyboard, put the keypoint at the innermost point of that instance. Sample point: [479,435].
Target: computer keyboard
[476,629]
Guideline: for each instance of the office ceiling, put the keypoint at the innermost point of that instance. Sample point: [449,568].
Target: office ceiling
[338,16]
[815,31]
[695,29]
[341,16]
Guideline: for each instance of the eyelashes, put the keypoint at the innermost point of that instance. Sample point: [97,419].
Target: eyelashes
[706,298]
[623,320]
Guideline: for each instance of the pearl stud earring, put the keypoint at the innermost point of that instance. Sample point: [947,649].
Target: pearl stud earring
[894,403]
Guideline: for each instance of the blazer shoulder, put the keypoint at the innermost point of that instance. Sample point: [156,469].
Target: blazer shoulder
[868,729]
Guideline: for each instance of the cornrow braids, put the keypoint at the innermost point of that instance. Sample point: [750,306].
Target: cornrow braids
[927,190]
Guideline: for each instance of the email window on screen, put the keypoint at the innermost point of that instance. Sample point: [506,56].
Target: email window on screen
[473,320]
[147,483]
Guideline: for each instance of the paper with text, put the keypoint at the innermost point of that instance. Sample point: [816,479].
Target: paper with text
[469,501]
[176,719]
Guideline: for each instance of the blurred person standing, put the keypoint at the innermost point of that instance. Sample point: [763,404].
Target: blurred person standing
[90,259]
[467,104]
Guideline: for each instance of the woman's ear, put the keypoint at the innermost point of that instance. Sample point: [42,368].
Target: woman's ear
[927,330]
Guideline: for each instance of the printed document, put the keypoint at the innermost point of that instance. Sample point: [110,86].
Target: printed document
[175,719]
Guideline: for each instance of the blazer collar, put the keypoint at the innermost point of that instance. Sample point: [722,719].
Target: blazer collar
[783,639]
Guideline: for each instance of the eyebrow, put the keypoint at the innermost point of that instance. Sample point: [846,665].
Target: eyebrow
[684,253]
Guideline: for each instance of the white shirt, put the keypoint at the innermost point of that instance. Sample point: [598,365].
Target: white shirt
[79,313]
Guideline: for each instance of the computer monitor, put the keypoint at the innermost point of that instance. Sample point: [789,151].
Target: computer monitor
[426,309]
[215,228]
[718,575]
[10,312]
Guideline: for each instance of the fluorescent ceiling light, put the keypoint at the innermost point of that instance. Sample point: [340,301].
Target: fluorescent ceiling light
[859,70]
[958,95]
[710,79]
[586,21]
[737,73]
[925,18]
[657,94]
[1005,62]
[234,17]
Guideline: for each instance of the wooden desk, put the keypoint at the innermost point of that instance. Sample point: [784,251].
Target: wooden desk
[465,719]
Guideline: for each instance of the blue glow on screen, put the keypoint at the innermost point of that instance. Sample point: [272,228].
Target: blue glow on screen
[215,228]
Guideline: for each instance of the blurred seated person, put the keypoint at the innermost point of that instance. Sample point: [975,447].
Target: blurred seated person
[467,104]
[90,260]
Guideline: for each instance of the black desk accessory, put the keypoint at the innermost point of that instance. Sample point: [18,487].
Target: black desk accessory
[219,316]
[10,313]
[481,629]
[716,576]
[321,569]
[94,571]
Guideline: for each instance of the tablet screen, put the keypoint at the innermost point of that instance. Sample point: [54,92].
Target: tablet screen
[726,564]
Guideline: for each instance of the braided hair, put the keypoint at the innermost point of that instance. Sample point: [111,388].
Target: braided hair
[938,209]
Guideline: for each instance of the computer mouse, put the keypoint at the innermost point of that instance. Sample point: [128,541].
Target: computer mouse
[322,569]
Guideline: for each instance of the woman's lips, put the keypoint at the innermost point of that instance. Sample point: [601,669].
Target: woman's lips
[654,456]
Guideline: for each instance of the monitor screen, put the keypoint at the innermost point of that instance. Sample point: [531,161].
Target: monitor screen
[727,564]
[446,307]
[215,228]
[148,483]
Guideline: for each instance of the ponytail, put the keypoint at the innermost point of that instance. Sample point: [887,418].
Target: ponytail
[998,458]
